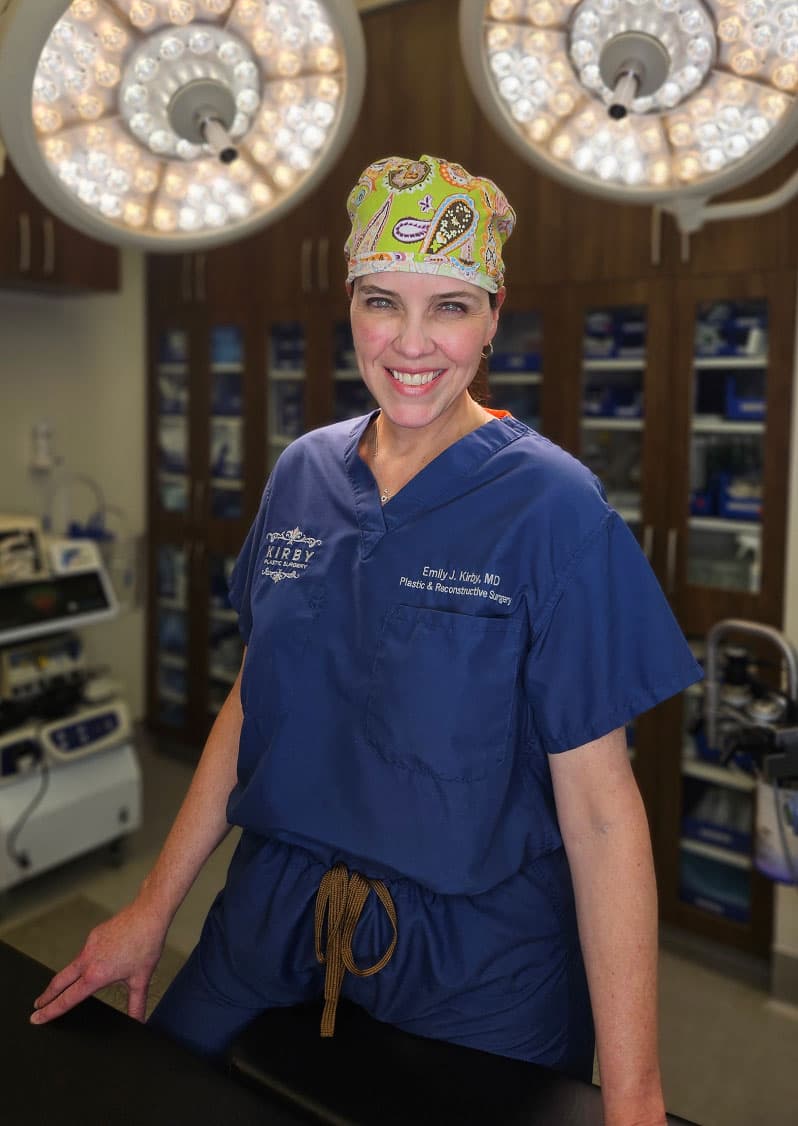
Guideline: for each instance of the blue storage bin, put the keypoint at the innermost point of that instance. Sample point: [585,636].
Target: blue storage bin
[227,345]
[173,347]
[734,328]
[741,406]
[515,361]
[732,507]
[721,889]
[612,402]
[703,503]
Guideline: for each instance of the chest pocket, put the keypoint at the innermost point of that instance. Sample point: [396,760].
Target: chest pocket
[442,693]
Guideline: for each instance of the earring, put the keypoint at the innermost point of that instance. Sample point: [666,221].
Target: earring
[488,352]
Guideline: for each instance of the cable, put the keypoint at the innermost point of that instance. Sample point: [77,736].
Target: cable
[21,858]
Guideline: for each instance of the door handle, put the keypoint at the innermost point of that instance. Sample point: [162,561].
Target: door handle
[48,257]
[670,560]
[23,225]
[324,265]
[648,541]
[200,292]
[185,278]
[304,265]
[199,500]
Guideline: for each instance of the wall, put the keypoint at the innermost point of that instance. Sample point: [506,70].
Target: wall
[79,364]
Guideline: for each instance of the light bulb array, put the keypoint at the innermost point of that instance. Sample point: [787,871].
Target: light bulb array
[729,81]
[103,97]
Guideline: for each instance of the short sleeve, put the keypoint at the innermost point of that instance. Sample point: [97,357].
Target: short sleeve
[244,570]
[607,646]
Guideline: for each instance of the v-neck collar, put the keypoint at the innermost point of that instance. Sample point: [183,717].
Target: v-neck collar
[441,479]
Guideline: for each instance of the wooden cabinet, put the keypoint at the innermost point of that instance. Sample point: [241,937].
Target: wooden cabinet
[677,393]
[206,473]
[38,251]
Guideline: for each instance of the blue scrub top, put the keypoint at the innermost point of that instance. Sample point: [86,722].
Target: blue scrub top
[410,666]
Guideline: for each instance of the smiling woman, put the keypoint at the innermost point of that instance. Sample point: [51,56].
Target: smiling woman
[446,630]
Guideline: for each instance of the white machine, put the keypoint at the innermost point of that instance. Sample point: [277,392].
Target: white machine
[70,779]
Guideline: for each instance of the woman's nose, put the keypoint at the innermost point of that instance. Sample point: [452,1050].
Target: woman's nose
[412,338]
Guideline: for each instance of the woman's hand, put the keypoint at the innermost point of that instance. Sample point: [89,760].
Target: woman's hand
[124,949]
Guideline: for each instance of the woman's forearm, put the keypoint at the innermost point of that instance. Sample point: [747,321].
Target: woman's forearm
[606,837]
[201,822]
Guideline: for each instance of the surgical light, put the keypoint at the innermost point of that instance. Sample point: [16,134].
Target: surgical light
[175,124]
[666,102]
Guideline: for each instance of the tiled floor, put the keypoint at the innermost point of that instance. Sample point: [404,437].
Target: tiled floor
[730,1056]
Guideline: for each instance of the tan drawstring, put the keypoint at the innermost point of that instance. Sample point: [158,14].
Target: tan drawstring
[340,899]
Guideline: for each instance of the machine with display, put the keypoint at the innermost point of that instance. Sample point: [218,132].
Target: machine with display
[69,776]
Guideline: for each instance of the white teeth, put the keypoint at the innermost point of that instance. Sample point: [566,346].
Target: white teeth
[414,379]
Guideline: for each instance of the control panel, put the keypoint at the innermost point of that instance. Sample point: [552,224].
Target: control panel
[86,731]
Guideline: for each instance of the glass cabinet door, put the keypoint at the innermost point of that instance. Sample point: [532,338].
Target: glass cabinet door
[727,442]
[613,408]
[285,386]
[225,645]
[172,422]
[172,635]
[516,366]
[226,425]
[351,397]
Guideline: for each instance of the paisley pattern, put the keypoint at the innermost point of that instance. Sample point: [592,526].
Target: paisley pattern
[427,216]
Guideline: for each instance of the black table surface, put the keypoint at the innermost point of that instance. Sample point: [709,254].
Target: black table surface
[96,1067]
[371,1074]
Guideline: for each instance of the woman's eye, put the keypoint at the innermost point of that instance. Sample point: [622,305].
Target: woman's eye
[378,303]
[452,307]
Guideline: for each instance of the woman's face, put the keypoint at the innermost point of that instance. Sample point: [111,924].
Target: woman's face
[418,339]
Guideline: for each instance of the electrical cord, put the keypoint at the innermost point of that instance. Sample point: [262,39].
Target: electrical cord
[21,859]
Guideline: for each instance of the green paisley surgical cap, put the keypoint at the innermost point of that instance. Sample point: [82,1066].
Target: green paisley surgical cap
[427,216]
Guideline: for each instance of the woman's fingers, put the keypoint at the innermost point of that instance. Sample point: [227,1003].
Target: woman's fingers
[55,1002]
[61,981]
[137,1001]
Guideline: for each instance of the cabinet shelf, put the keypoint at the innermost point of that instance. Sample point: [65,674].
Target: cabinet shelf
[347,375]
[592,422]
[623,363]
[727,776]
[713,852]
[218,615]
[228,418]
[172,367]
[227,367]
[516,378]
[173,604]
[710,363]
[717,524]
[230,483]
[224,676]
[168,476]
[281,440]
[172,697]
[171,660]
[717,424]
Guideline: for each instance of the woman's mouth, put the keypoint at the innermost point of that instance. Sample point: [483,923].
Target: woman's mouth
[414,378]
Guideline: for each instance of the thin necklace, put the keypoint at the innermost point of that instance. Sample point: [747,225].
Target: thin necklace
[384,494]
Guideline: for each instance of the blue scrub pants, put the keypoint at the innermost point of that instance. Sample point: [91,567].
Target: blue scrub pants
[501,971]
